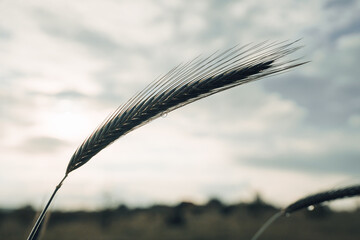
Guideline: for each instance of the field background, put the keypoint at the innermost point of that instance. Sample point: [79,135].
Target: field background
[210,221]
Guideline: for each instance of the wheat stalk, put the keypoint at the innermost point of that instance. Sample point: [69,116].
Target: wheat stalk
[308,201]
[321,197]
[182,85]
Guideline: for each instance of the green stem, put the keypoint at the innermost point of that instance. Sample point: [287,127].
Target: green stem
[267,224]
[35,229]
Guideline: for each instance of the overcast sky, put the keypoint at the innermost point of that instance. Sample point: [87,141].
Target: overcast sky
[65,65]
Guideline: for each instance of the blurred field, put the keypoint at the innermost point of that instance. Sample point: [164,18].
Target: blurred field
[184,221]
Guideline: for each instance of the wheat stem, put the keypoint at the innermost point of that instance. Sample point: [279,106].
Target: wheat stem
[35,229]
[272,219]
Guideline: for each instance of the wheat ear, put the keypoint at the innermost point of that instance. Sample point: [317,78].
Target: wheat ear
[308,201]
[322,197]
[182,85]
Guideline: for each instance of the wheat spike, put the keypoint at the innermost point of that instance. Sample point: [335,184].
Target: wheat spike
[308,201]
[182,85]
[322,197]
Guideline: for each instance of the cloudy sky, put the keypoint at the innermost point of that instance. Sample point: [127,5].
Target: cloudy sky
[65,65]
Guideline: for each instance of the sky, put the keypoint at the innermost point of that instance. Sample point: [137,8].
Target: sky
[66,65]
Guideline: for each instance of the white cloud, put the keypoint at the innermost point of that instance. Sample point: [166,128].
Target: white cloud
[287,19]
[129,23]
[354,120]
[192,23]
[349,42]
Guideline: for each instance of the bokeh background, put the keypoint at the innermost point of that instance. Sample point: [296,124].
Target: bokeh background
[65,65]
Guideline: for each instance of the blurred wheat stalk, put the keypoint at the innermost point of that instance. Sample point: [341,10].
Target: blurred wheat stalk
[182,85]
[311,200]
[321,197]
